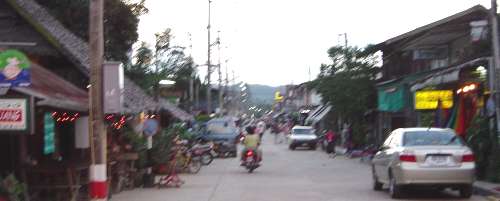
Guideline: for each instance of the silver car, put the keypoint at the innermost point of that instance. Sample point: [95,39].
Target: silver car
[431,157]
[303,136]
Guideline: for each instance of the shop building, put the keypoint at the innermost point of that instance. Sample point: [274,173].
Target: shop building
[435,75]
[45,143]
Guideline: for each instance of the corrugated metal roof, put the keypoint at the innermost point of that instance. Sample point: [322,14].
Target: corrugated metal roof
[54,91]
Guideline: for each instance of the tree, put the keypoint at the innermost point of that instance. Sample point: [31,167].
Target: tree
[165,61]
[121,19]
[348,83]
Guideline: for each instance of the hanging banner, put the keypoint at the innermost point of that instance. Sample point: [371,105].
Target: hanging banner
[49,133]
[13,114]
[14,69]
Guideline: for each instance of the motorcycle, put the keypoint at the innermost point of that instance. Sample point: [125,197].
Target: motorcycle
[250,160]
[205,152]
[222,150]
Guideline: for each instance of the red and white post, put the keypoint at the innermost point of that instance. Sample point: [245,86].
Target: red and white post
[98,187]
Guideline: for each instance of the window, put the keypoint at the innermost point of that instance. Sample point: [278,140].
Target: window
[430,138]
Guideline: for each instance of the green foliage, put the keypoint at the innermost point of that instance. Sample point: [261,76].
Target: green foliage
[479,141]
[493,169]
[427,118]
[164,61]
[163,142]
[202,118]
[348,84]
[121,19]
[11,187]
[139,145]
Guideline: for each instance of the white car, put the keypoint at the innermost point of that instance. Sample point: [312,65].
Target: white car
[303,136]
[432,157]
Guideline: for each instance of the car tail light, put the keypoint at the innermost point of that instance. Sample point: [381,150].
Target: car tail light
[468,158]
[250,153]
[408,158]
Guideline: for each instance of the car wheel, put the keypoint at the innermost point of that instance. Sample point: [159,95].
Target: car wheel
[377,186]
[394,188]
[291,147]
[465,191]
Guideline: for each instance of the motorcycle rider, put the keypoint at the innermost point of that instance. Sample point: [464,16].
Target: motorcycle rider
[251,141]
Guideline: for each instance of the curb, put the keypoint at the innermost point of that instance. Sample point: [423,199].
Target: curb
[490,194]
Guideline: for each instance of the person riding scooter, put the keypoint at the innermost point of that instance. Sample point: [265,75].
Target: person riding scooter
[251,141]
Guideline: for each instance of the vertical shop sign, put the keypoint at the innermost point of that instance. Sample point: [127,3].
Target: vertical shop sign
[48,127]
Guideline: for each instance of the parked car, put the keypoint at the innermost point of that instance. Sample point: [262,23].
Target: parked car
[303,136]
[224,133]
[430,157]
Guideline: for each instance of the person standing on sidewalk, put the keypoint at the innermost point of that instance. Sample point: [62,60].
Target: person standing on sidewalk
[330,138]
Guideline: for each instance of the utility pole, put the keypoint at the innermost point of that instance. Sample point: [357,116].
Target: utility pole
[496,63]
[209,107]
[97,134]
[191,77]
[221,93]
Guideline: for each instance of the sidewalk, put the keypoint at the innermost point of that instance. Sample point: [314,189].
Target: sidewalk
[491,190]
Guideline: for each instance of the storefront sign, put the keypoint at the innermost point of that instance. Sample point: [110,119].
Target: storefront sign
[428,100]
[151,127]
[13,114]
[14,69]
[48,134]
[113,87]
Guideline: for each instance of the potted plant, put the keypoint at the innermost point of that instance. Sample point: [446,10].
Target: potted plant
[11,189]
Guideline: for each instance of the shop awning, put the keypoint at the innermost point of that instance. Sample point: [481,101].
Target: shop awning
[54,91]
[175,111]
[318,114]
[446,75]
[392,98]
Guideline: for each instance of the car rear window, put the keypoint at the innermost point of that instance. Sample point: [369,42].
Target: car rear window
[302,131]
[429,138]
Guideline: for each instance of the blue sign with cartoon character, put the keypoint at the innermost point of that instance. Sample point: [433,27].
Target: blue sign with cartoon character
[14,69]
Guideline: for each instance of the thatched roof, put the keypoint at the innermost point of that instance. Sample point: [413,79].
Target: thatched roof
[68,43]
[136,100]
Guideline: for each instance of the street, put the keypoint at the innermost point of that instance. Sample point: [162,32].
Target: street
[285,176]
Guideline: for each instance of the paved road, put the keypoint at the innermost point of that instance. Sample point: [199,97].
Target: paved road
[300,175]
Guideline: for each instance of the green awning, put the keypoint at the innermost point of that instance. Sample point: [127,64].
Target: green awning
[394,96]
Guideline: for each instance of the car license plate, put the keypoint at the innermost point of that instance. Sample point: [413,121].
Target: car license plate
[305,144]
[438,160]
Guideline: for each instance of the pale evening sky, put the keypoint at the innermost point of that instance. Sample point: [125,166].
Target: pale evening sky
[275,42]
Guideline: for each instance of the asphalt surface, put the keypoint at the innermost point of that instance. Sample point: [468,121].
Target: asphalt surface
[300,175]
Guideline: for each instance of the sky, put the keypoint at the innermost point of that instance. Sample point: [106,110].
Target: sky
[278,42]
